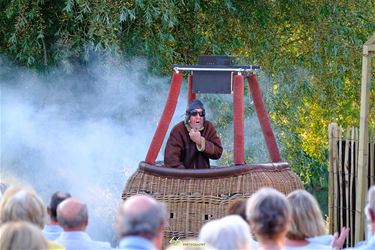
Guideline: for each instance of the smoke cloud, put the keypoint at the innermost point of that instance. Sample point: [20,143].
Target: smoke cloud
[84,132]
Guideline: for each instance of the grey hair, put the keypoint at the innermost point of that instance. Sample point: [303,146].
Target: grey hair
[229,232]
[371,197]
[145,223]
[22,205]
[81,218]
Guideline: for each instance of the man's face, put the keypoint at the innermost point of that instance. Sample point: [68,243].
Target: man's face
[196,118]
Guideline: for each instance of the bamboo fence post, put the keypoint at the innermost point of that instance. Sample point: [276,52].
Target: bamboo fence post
[346,177]
[372,158]
[368,49]
[352,173]
[331,180]
[341,181]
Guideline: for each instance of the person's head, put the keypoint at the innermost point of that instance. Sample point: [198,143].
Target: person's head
[22,205]
[307,220]
[72,215]
[195,114]
[370,208]
[142,215]
[268,214]
[55,200]
[229,232]
[237,206]
[21,235]
[3,188]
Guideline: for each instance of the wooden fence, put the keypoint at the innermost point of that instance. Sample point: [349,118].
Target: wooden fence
[343,178]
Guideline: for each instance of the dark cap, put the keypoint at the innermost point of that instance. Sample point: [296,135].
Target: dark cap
[195,104]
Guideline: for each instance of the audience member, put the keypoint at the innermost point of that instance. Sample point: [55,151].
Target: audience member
[3,188]
[268,213]
[72,215]
[141,223]
[307,222]
[229,232]
[370,214]
[237,206]
[21,235]
[52,230]
[22,205]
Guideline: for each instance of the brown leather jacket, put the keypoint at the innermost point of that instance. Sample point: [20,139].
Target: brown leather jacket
[181,151]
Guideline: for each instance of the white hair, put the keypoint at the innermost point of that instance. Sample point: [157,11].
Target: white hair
[229,232]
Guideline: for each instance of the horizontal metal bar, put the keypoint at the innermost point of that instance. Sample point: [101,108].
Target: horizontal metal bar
[216,68]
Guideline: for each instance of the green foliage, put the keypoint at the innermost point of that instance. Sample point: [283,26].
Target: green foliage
[310,50]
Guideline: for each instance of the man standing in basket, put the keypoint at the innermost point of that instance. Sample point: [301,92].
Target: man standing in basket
[193,142]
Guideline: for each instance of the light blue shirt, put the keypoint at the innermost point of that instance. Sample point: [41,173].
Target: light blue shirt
[74,240]
[52,232]
[370,245]
[136,243]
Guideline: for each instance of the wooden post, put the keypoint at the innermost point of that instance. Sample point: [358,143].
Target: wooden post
[372,158]
[362,187]
[340,187]
[331,191]
[346,183]
[353,166]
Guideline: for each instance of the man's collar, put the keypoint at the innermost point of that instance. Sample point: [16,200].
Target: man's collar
[136,242]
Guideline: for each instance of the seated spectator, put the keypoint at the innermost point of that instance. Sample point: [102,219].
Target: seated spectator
[72,216]
[230,232]
[307,222]
[23,205]
[141,222]
[370,214]
[268,213]
[237,206]
[52,230]
[3,188]
[21,235]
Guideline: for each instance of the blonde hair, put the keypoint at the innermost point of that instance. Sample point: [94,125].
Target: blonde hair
[21,235]
[268,213]
[307,220]
[22,205]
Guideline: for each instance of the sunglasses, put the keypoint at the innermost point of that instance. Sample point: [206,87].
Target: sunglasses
[195,113]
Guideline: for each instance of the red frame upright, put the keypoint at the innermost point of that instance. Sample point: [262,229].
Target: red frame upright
[238,117]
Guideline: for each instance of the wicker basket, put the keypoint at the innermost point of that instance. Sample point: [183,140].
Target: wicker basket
[194,197]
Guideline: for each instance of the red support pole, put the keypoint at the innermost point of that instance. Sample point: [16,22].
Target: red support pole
[191,95]
[238,120]
[165,118]
[263,119]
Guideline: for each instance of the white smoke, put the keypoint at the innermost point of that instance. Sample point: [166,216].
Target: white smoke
[85,132]
[81,132]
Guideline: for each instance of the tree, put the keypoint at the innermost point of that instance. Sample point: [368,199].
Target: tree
[310,52]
